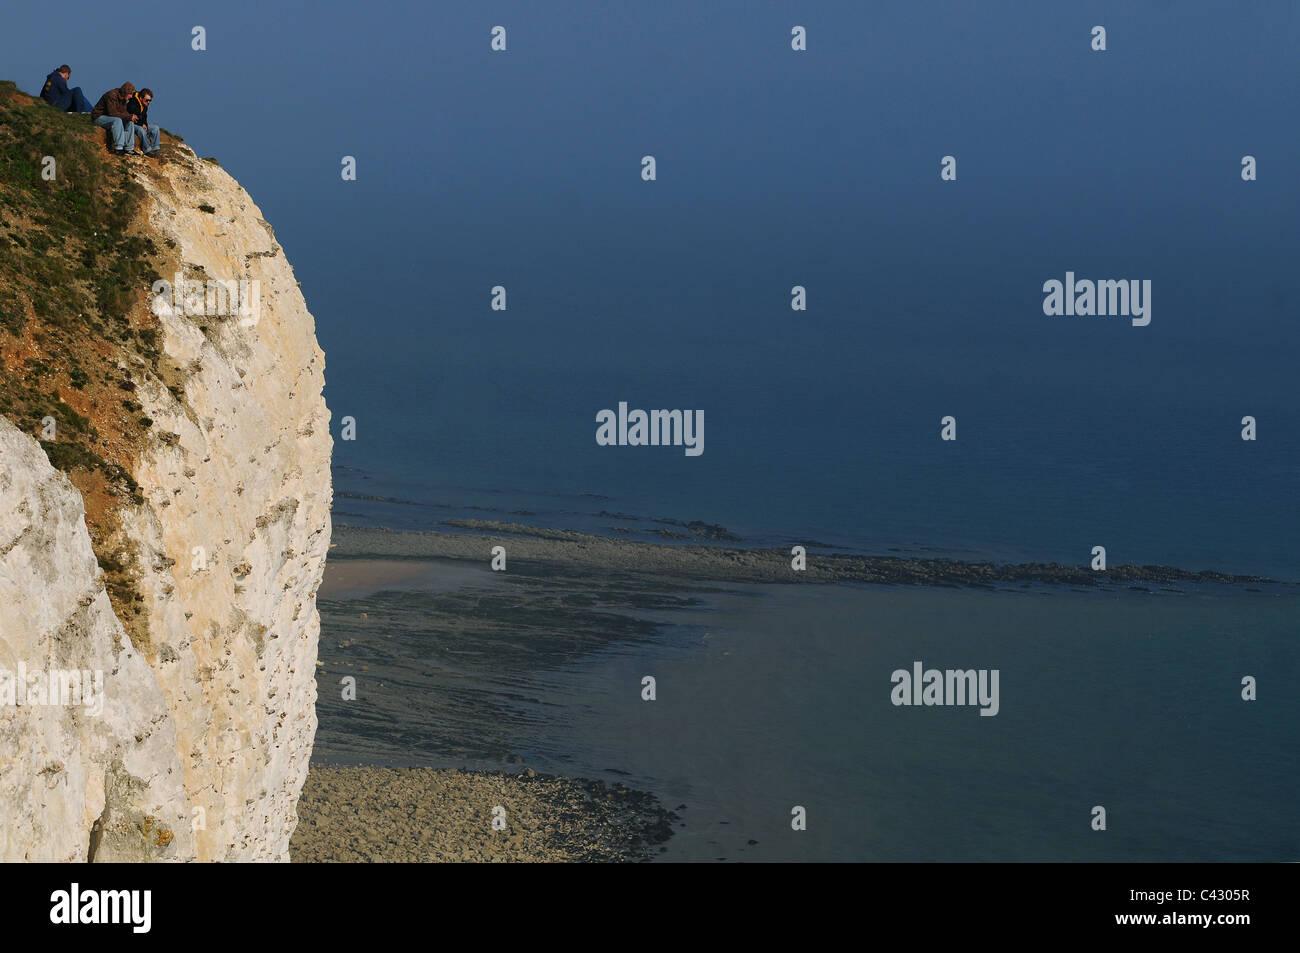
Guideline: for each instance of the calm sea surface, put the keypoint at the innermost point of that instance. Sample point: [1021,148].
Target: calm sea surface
[774,697]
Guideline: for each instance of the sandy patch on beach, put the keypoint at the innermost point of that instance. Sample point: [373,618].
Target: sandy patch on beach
[347,578]
[353,578]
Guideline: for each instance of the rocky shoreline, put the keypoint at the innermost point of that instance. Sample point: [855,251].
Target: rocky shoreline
[423,815]
[568,550]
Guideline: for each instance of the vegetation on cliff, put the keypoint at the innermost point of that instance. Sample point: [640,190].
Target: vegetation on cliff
[76,338]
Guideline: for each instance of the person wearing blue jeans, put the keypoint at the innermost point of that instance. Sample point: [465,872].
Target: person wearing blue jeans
[138,107]
[56,92]
[114,114]
[121,132]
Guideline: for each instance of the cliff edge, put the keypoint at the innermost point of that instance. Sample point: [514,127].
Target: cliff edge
[164,505]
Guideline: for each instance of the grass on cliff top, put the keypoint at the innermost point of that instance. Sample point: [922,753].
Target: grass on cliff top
[75,265]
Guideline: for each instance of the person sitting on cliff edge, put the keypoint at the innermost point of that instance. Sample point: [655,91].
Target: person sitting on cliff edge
[56,92]
[112,113]
[138,106]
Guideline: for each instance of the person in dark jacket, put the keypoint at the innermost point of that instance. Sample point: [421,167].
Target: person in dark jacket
[112,113]
[56,92]
[138,106]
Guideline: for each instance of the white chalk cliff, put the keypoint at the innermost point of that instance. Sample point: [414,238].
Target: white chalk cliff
[203,743]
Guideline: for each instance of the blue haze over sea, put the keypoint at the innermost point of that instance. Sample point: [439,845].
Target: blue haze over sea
[775,169]
[924,297]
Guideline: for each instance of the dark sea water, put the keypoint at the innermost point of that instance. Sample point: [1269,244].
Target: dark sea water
[1131,702]
[1071,431]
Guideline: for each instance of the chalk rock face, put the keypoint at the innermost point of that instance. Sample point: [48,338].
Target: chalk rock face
[236,527]
[100,772]
[230,548]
